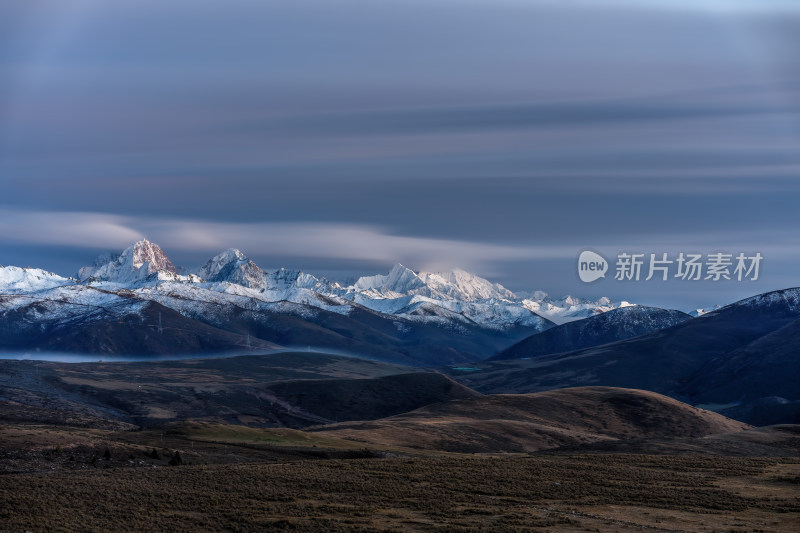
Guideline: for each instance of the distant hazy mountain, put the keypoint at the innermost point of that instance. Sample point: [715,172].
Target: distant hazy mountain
[455,285]
[568,308]
[727,358]
[405,292]
[614,325]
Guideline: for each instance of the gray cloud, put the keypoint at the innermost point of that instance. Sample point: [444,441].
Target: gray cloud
[349,135]
[336,241]
[581,114]
[345,250]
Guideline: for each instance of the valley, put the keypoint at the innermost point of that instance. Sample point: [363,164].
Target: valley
[430,401]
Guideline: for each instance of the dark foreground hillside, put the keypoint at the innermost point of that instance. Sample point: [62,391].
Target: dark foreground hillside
[249,444]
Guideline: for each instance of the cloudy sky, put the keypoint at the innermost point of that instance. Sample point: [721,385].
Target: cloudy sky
[342,136]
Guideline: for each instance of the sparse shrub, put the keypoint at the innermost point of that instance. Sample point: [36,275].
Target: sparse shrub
[176,459]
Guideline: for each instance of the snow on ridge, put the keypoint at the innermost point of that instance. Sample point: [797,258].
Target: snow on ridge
[569,308]
[400,279]
[788,297]
[234,266]
[193,298]
[463,285]
[456,285]
[230,277]
[16,280]
[65,304]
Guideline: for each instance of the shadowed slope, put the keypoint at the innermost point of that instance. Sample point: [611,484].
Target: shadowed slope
[612,326]
[368,399]
[531,422]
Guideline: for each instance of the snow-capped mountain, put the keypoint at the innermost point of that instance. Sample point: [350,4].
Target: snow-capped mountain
[285,279]
[458,291]
[569,308]
[234,267]
[401,292]
[419,296]
[456,285]
[430,317]
[461,285]
[398,282]
[496,314]
[136,263]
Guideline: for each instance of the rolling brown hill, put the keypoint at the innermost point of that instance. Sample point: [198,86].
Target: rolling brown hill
[538,421]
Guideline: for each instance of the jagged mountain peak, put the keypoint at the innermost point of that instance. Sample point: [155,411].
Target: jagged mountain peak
[571,300]
[568,308]
[399,270]
[400,279]
[213,266]
[145,252]
[135,263]
[286,278]
[401,274]
[104,258]
[233,266]
[233,254]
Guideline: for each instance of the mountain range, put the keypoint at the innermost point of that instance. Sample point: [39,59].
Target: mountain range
[740,359]
[139,303]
